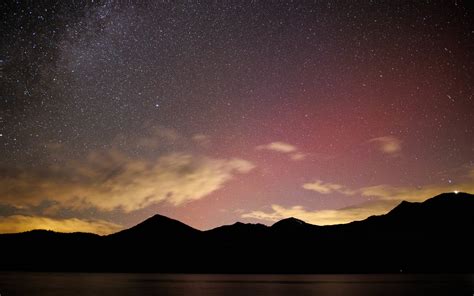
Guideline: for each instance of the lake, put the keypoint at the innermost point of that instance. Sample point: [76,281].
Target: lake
[121,284]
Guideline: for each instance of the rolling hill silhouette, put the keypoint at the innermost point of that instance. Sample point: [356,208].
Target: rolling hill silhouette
[432,236]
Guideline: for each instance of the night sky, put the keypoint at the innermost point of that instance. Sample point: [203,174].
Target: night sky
[212,112]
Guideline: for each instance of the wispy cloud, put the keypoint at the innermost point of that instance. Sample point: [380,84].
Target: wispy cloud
[382,198]
[165,171]
[278,147]
[21,223]
[285,148]
[298,156]
[113,180]
[387,192]
[202,139]
[326,188]
[321,217]
[388,145]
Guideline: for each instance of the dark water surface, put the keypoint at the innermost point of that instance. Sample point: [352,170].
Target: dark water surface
[16,283]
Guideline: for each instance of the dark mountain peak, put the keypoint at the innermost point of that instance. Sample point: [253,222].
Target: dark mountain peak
[404,203]
[289,222]
[241,224]
[440,202]
[402,207]
[449,197]
[158,225]
[237,227]
[447,211]
[160,221]
[157,218]
[452,204]
[441,228]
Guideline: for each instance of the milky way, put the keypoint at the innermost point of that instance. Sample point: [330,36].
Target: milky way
[213,112]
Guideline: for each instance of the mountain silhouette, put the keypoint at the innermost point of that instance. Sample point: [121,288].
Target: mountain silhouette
[431,236]
[290,223]
[157,225]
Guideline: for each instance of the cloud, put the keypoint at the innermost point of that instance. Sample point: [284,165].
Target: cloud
[386,192]
[278,147]
[20,223]
[326,188]
[202,140]
[298,156]
[113,180]
[382,198]
[321,217]
[388,145]
[283,147]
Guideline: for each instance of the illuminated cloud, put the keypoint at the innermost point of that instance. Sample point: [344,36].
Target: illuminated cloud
[278,147]
[20,223]
[326,188]
[388,145]
[283,147]
[112,180]
[383,199]
[386,192]
[322,217]
[297,156]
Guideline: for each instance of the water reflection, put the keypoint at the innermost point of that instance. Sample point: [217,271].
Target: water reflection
[80,284]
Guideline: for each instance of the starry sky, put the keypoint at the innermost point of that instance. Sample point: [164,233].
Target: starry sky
[212,112]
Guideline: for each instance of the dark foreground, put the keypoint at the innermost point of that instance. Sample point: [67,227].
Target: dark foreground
[430,237]
[104,284]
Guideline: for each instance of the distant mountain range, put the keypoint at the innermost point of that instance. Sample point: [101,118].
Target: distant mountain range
[433,236]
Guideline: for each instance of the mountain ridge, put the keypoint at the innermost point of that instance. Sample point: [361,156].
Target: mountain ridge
[430,236]
[290,220]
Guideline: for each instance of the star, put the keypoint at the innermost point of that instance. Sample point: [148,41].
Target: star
[86,83]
